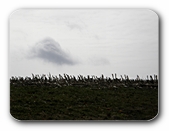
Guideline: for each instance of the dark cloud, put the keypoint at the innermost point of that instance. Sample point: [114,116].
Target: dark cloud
[51,51]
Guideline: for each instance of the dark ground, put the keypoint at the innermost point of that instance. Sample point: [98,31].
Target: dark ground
[83,103]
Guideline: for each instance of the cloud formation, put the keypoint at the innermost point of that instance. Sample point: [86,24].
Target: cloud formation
[73,26]
[98,61]
[51,51]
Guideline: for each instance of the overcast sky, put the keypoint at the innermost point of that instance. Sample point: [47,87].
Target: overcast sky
[84,41]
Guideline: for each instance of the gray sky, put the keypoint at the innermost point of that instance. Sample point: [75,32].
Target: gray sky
[84,41]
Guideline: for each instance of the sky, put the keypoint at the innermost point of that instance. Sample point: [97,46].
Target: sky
[84,41]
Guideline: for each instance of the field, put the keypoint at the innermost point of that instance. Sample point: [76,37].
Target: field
[115,102]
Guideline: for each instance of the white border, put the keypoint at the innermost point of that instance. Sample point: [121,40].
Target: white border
[7,123]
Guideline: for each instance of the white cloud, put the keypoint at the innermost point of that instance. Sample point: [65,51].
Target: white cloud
[121,39]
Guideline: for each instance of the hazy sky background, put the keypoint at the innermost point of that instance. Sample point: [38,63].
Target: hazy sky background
[83,41]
